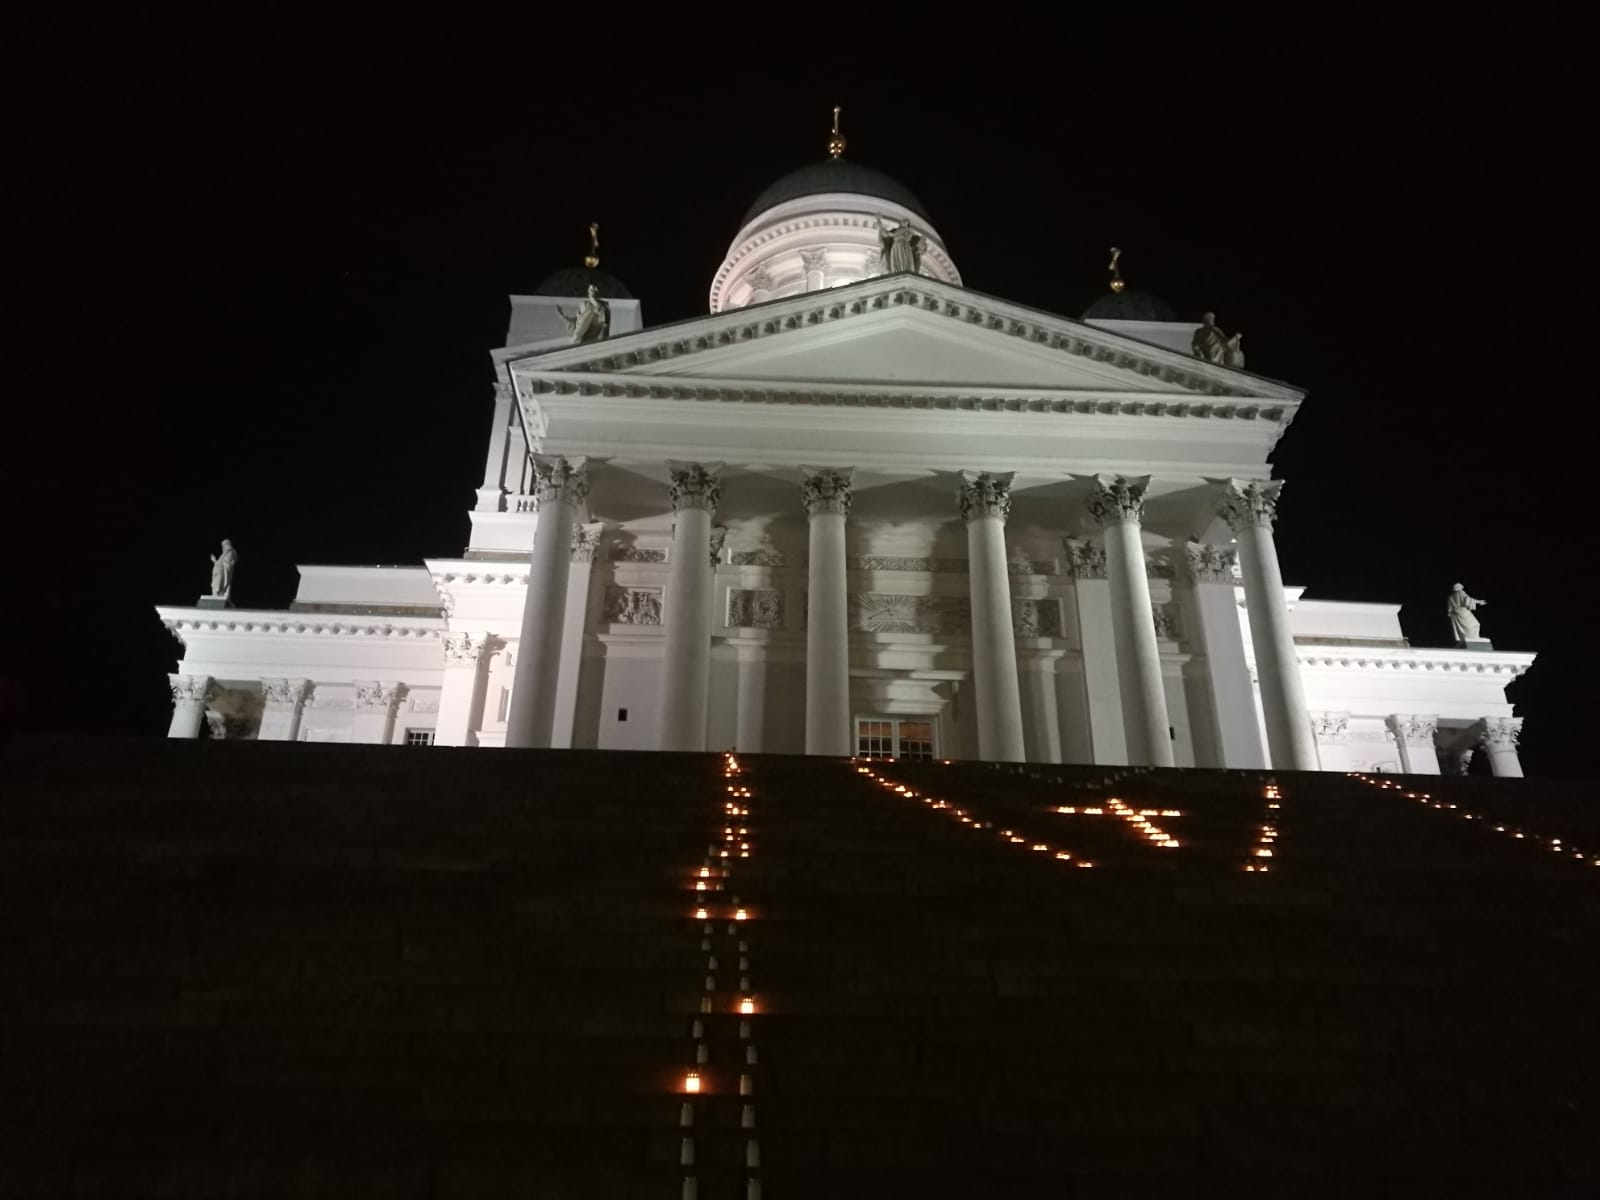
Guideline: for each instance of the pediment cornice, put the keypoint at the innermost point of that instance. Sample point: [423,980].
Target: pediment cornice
[183,623]
[649,350]
[1478,662]
[922,398]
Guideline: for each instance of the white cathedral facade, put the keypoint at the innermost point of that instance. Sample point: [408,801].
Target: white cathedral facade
[857,512]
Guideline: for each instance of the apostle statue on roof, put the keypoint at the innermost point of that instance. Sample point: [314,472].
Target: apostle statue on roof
[222,570]
[901,246]
[592,321]
[1460,606]
[1214,346]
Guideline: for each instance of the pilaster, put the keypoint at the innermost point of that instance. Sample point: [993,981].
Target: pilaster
[283,702]
[373,723]
[1414,736]
[461,696]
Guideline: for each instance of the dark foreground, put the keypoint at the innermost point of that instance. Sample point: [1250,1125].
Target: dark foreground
[255,970]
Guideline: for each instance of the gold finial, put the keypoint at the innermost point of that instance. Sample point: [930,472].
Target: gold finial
[836,141]
[1117,283]
[592,259]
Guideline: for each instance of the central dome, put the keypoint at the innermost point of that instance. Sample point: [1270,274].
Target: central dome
[835,175]
[827,224]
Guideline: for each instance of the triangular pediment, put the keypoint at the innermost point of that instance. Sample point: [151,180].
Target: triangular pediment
[904,332]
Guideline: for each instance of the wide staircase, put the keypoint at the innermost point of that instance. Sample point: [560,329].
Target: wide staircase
[255,970]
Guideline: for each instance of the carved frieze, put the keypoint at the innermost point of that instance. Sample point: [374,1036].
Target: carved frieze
[1032,566]
[632,606]
[985,494]
[638,554]
[826,489]
[695,485]
[755,608]
[1247,503]
[887,612]
[1036,618]
[586,541]
[893,562]
[762,556]
[1118,498]
[1085,560]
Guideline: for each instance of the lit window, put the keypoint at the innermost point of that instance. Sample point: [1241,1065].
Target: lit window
[419,737]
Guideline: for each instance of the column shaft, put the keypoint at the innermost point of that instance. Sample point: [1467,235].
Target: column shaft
[1118,505]
[1138,655]
[986,503]
[561,487]
[1500,737]
[1042,733]
[1249,509]
[686,652]
[826,495]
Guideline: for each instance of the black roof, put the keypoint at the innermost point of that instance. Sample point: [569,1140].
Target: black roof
[1130,306]
[835,175]
[575,281]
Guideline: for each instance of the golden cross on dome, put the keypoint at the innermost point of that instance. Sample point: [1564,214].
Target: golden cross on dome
[836,141]
[592,259]
[1117,283]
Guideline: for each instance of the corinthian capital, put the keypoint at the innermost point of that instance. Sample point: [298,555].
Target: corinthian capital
[985,495]
[561,480]
[463,649]
[1411,729]
[1249,502]
[826,489]
[695,485]
[279,694]
[377,697]
[190,689]
[1502,733]
[1118,498]
[814,260]
[1209,564]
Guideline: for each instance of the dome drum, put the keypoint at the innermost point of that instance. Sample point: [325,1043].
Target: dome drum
[815,242]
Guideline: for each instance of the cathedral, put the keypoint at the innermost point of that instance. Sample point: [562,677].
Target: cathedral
[857,508]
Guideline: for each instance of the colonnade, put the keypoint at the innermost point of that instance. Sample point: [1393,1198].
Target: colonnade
[1116,504]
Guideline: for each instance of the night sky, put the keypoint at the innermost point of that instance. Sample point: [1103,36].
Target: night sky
[255,281]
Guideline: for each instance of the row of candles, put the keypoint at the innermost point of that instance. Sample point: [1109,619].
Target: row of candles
[711,879]
[1554,845]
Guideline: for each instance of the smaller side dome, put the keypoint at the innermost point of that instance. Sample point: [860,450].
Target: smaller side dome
[1130,306]
[575,281]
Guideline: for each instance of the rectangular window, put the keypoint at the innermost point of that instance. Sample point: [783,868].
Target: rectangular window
[890,737]
[419,737]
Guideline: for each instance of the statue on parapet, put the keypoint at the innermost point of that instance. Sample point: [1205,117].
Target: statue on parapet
[901,247]
[1460,607]
[1212,345]
[222,566]
[592,321]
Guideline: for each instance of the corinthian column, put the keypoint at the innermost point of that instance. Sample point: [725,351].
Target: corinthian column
[561,487]
[189,696]
[1249,508]
[985,505]
[1118,506]
[825,492]
[686,656]
[1500,735]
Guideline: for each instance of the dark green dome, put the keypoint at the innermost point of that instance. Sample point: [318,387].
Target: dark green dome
[835,175]
[575,281]
[1130,306]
